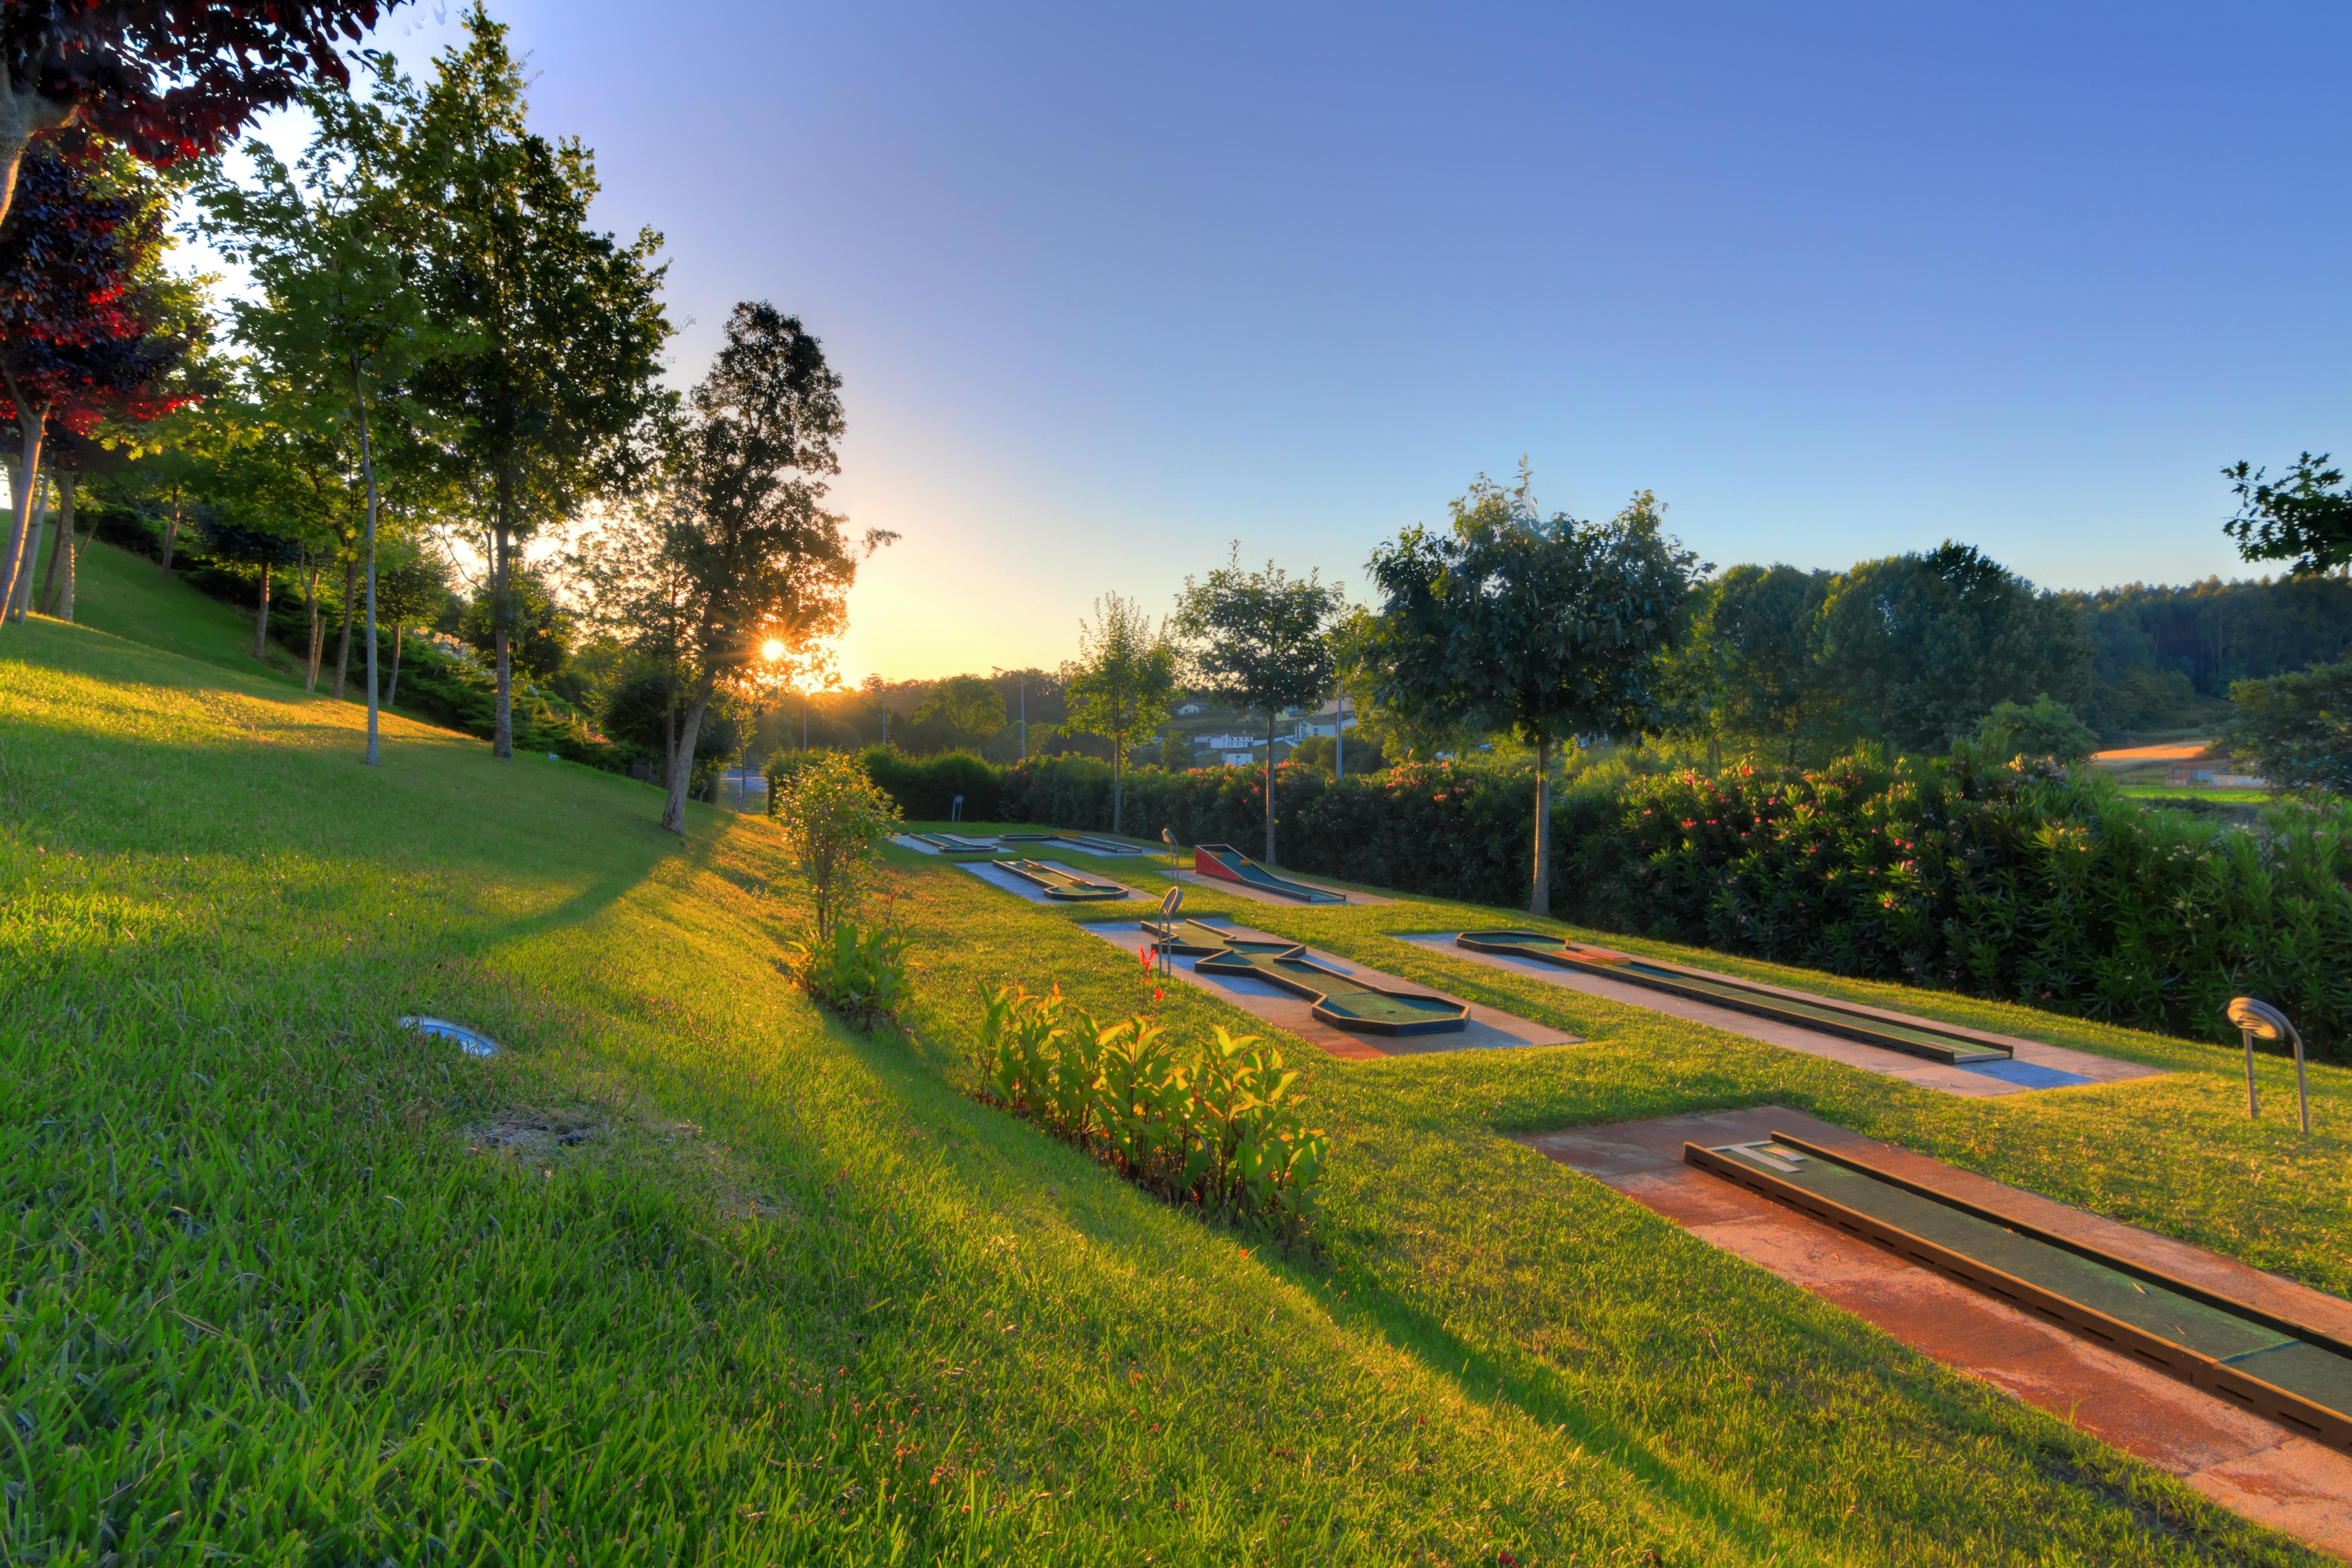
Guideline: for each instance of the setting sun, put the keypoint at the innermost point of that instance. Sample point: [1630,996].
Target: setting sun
[771,650]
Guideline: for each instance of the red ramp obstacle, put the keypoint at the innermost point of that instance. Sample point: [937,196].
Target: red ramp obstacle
[1226,864]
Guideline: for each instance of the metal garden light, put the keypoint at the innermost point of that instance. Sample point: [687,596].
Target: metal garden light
[1168,837]
[1169,902]
[2258,1020]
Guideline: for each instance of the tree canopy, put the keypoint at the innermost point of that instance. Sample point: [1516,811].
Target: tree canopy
[1548,627]
[1123,684]
[1258,640]
[2305,517]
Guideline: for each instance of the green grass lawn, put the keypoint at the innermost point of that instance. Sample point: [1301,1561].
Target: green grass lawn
[691,1272]
[2199,791]
[116,591]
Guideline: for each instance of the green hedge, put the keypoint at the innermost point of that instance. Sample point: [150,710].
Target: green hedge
[2022,883]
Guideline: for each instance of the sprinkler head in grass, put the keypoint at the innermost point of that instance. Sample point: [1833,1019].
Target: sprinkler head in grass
[465,1039]
[2258,1020]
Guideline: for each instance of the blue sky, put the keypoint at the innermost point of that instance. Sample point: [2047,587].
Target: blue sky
[1113,285]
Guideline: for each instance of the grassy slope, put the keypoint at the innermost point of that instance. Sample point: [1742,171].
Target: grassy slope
[117,592]
[797,1295]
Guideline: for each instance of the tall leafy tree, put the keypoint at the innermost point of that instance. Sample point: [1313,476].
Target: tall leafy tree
[1258,640]
[2296,730]
[1754,674]
[1921,646]
[169,80]
[1551,628]
[746,554]
[86,311]
[409,590]
[2303,517]
[1124,685]
[556,402]
[339,321]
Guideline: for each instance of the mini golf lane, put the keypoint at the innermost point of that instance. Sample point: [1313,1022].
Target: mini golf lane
[1779,1016]
[1481,1028]
[1345,1001]
[1224,863]
[1043,881]
[2269,1471]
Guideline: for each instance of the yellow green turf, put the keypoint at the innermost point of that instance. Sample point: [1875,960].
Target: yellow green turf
[692,1272]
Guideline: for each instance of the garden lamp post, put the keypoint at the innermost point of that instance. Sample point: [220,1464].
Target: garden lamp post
[1168,837]
[2258,1020]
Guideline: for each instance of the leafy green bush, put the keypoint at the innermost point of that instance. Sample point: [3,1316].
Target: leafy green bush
[2296,730]
[834,821]
[1216,1125]
[926,788]
[859,974]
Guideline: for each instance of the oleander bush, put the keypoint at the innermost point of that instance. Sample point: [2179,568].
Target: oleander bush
[1216,1124]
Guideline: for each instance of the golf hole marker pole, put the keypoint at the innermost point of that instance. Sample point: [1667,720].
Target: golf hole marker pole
[2258,1020]
[1163,944]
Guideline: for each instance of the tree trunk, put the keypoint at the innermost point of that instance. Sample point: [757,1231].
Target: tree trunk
[1117,780]
[367,471]
[61,544]
[682,761]
[261,617]
[343,648]
[24,114]
[39,525]
[28,473]
[399,635]
[64,609]
[501,572]
[171,535]
[1540,899]
[318,628]
[1270,717]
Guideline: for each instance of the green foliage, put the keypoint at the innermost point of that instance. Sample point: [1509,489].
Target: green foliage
[1219,1126]
[963,710]
[540,630]
[1124,682]
[860,975]
[1256,640]
[1321,752]
[1920,647]
[1750,676]
[2306,517]
[835,821]
[2042,727]
[2296,730]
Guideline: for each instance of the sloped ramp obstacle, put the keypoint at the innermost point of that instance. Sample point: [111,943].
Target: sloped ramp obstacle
[2286,1372]
[1224,863]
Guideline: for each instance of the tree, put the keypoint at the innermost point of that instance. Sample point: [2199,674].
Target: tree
[405,594]
[1920,647]
[2296,730]
[84,307]
[327,242]
[1550,628]
[747,556]
[2305,518]
[168,81]
[558,398]
[1258,640]
[225,540]
[961,710]
[1124,686]
[833,820]
[2042,727]
[1751,659]
[539,635]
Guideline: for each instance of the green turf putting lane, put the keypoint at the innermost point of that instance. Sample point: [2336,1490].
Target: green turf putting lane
[956,843]
[1058,883]
[1338,999]
[1226,864]
[1914,1038]
[2295,1376]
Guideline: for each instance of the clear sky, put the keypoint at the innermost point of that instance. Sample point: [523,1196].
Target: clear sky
[1112,286]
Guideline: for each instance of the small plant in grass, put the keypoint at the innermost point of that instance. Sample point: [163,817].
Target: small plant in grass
[834,822]
[859,974]
[1217,1123]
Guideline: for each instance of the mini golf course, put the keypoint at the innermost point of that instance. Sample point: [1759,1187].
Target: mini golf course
[956,843]
[1057,883]
[1913,1038]
[1086,841]
[1341,1000]
[1227,864]
[2292,1374]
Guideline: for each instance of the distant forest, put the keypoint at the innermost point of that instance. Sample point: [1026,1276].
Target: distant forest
[2163,651]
